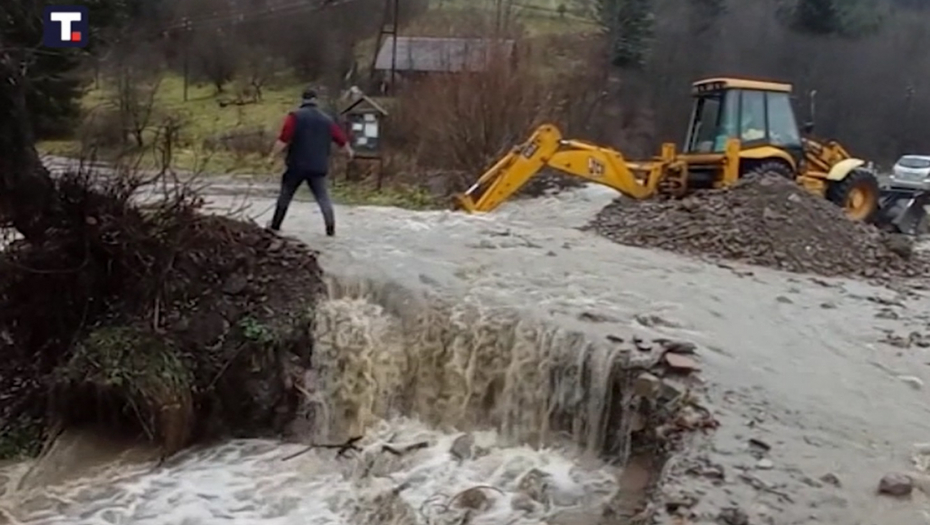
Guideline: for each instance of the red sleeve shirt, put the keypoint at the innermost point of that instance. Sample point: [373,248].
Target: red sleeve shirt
[287,131]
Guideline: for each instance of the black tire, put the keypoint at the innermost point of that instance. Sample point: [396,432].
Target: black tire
[841,192]
[769,167]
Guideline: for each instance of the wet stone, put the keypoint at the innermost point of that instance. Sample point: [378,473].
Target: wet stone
[680,363]
[647,385]
[522,502]
[895,484]
[462,447]
[831,479]
[733,516]
[474,498]
[679,347]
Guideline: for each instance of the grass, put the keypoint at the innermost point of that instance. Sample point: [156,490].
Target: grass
[204,118]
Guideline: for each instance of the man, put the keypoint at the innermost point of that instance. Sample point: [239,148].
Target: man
[306,135]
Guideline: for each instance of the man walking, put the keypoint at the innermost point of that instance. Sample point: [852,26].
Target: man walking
[306,135]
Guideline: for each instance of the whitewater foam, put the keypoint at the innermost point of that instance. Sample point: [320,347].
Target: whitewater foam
[263,482]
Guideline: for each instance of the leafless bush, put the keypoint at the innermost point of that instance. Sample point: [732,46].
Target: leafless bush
[214,56]
[464,121]
[133,98]
[101,129]
[168,137]
[241,141]
[258,65]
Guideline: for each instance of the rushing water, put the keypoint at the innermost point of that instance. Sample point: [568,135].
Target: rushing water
[463,396]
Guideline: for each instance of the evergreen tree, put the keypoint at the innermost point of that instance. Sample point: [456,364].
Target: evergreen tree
[53,85]
[842,18]
[630,26]
[705,14]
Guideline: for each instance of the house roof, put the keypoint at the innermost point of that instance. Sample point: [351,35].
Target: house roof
[430,54]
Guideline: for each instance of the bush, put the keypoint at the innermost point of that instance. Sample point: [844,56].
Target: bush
[464,122]
[102,129]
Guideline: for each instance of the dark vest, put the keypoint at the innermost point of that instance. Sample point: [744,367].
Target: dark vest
[310,146]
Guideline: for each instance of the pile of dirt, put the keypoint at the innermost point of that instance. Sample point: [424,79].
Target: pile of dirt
[766,221]
[157,320]
[549,182]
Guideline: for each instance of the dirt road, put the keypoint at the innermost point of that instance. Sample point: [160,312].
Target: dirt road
[796,363]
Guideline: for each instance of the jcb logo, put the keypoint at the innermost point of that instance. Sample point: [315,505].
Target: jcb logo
[530,149]
[595,168]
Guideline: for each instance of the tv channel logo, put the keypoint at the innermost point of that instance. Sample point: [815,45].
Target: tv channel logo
[65,26]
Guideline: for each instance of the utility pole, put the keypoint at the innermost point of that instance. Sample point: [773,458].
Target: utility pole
[389,29]
[186,38]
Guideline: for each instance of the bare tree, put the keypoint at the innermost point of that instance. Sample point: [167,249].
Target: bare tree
[134,99]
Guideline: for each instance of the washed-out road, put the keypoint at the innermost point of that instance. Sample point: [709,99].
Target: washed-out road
[818,384]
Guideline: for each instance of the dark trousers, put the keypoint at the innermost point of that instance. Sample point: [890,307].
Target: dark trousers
[290,181]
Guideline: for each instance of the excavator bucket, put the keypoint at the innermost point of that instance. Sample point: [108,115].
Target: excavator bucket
[902,210]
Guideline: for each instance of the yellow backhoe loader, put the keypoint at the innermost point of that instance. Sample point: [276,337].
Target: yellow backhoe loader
[738,127]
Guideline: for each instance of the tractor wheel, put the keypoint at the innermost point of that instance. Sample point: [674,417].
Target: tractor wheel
[771,167]
[857,194]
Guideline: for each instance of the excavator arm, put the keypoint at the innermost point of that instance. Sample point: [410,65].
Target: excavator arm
[546,148]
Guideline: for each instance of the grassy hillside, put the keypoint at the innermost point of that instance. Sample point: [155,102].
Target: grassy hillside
[205,121]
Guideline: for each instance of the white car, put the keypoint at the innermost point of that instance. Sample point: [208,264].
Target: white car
[911,172]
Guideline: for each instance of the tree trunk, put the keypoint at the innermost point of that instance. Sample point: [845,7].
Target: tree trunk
[27,196]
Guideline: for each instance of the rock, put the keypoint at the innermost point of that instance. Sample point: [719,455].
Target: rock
[679,347]
[895,484]
[766,222]
[522,502]
[680,363]
[671,390]
[887,313]
[535,485]
[593,317]
[647,385]
[474,498]
[733,516]
[462,447]
[678,502]
[900,244]
[784,300]
[831,479]
[235,284]
[765,464]
[641,345]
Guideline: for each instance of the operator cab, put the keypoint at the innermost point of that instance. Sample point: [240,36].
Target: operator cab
[755,112]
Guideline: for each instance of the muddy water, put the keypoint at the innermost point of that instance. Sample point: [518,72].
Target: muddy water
[797,363]
[462,395]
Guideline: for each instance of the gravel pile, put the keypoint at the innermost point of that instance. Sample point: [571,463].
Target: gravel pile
[766,221]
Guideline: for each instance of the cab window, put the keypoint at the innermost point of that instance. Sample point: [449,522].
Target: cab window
[715,120]
[753,123]
[704,128]
[783,128]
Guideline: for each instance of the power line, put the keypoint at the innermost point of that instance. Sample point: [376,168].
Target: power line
[243,16]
